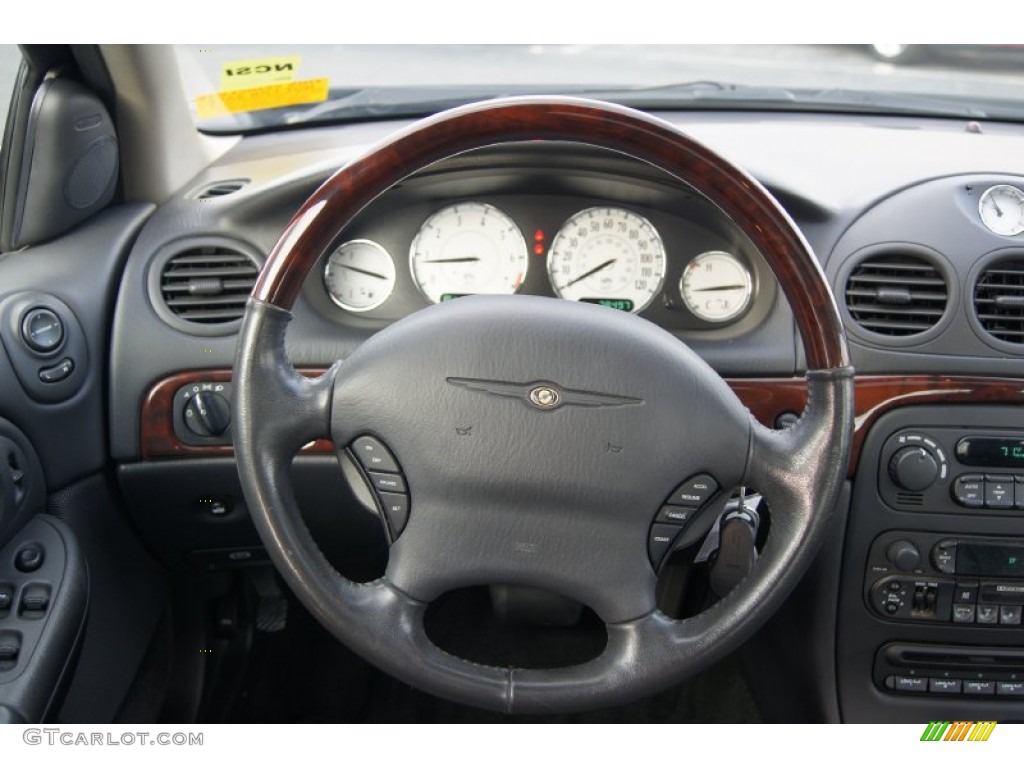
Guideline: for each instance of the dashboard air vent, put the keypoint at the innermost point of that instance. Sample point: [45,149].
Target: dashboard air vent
[896,295]
[999,300]
[220,189]
[208,284]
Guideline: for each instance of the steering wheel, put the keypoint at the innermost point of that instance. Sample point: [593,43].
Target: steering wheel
[538,437]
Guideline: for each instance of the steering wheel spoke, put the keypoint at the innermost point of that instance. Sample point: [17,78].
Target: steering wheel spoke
[786,466]
[278,408]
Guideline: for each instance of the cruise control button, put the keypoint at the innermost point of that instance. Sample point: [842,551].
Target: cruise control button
[6,597]
[371,453]
[911,684]
[396,508]
[676,515]
[1009,688]
[980,687]
[963,614]
[999,491]
[987,614]
[943,685]
[387,483]
[969,490]
[694,492]
[1009,614]
[659,541]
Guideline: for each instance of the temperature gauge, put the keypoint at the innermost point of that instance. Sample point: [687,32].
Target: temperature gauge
[716,286]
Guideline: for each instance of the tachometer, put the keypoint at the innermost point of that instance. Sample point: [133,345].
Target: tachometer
[465,249]
[607,256]
[360,275]
[716,286]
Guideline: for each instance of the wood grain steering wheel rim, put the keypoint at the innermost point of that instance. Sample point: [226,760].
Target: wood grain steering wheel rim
[800,470]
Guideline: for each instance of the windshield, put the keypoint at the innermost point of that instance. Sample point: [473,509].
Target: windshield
[242,88]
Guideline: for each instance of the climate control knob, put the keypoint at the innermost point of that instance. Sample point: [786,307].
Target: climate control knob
[913,468]
[903,554]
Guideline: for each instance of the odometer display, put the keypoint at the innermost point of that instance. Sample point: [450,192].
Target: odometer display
[622,304]
[607,256]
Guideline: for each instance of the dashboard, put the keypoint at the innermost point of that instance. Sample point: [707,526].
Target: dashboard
[918,226]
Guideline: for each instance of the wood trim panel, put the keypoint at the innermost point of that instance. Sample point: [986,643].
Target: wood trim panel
[156,428]
[766,399]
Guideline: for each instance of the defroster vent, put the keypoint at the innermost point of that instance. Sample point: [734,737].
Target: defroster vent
[219,189]
[999,300]
[208,284]
[896,295]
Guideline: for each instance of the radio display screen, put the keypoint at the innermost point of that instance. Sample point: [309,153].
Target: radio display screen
[1005,452]
[989,560]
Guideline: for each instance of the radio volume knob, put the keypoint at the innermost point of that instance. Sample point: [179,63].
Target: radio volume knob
[903,554]
[913,468]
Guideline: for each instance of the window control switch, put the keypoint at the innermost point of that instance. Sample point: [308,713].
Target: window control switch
[35,600]
[10,646]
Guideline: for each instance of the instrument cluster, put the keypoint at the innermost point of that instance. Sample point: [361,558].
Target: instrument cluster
[613,255]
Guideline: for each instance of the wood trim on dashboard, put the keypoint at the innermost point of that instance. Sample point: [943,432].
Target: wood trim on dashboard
[156,429]
[767,399]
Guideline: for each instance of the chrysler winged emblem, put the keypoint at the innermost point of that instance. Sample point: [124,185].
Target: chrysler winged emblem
[544,395]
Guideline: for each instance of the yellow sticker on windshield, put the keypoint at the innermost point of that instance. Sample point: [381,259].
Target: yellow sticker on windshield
[251,73]
[265,97]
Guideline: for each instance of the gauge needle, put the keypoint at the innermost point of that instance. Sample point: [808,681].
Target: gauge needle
[719,288]
[999,211]
[585,275]
[459,260]
[362,271]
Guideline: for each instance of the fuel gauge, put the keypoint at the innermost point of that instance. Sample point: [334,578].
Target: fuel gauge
[360,275]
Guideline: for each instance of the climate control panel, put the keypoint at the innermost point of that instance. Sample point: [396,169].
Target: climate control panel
[953,471]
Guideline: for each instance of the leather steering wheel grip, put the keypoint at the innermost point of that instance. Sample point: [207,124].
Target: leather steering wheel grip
[799,470]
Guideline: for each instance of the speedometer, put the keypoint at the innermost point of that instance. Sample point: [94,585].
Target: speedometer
[607,256]
[465,249]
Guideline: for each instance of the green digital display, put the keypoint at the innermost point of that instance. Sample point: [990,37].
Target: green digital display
[452,296]
[991,452]
[626,305]
[992,560]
